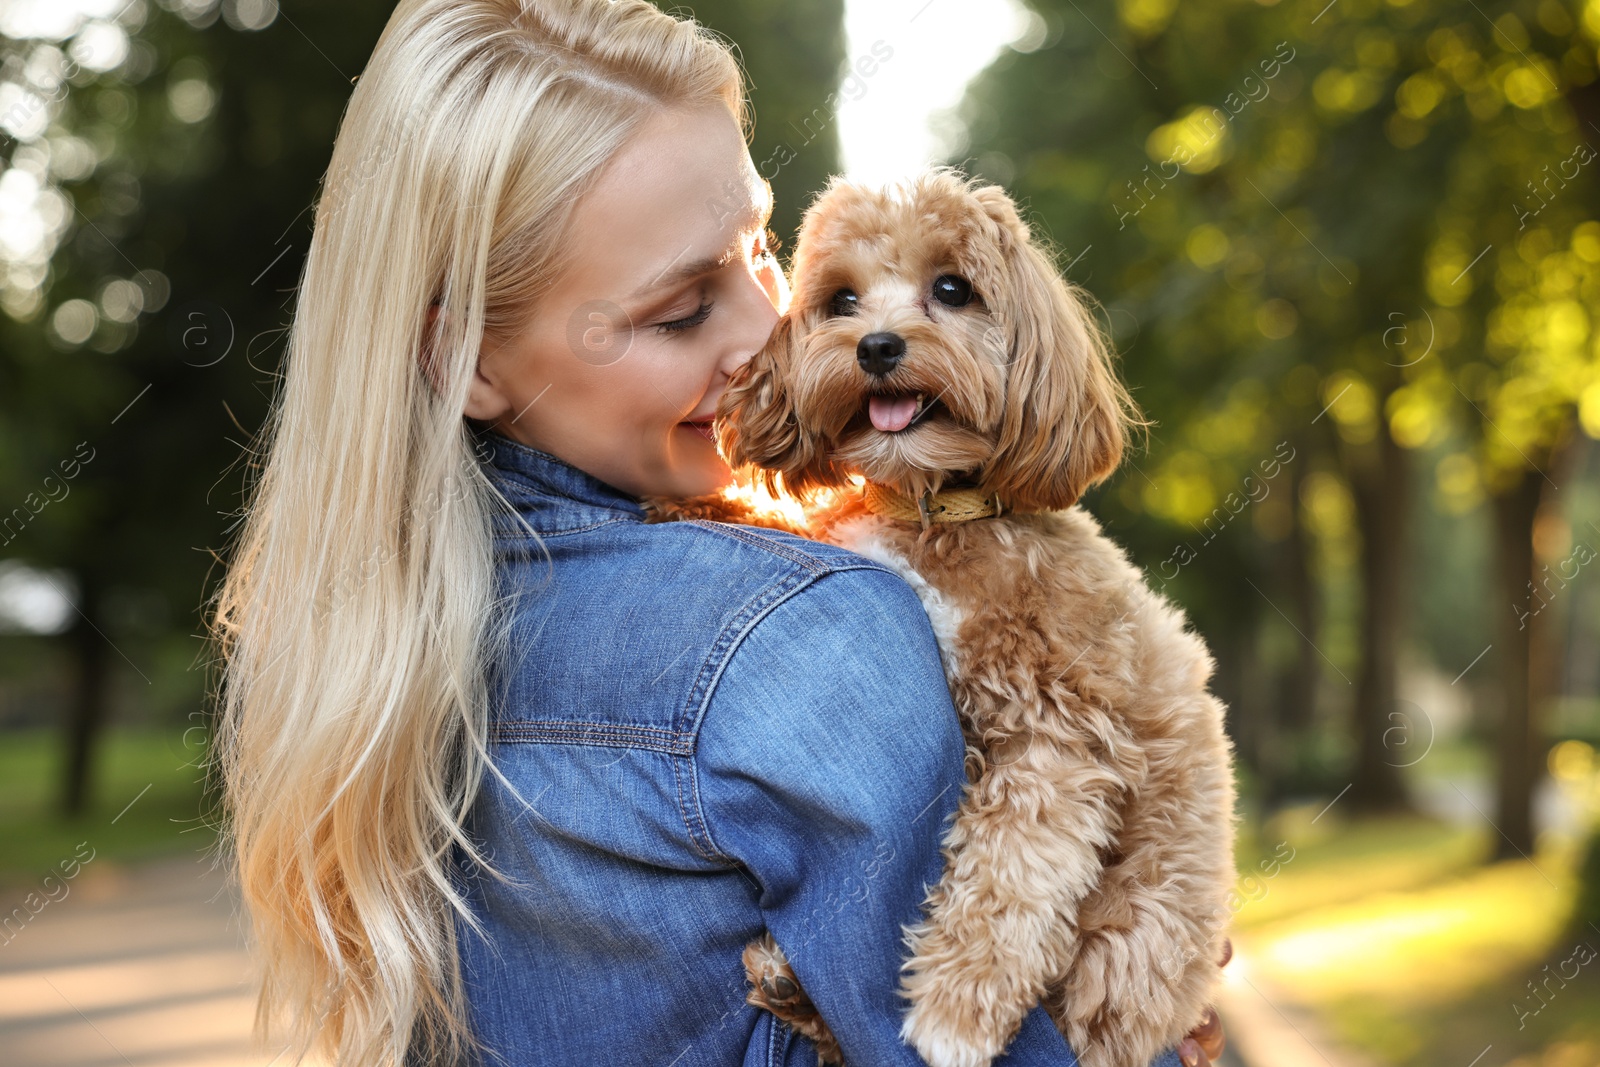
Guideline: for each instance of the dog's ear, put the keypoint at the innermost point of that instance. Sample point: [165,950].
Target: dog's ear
[756,422]
[1066,414]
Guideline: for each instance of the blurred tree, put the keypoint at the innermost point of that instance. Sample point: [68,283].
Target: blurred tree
[1225,312]
[184,155]
[1284,206]
[1586,906]
[166,159]
[1509,274]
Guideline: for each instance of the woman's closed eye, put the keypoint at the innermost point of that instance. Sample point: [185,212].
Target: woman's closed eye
[764,248]
[688,322]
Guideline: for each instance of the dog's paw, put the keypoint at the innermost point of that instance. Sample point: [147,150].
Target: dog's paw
[775,988]
[773,984]
[947,1037]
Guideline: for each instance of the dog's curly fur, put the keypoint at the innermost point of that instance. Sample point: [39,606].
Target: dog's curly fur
[1090,860]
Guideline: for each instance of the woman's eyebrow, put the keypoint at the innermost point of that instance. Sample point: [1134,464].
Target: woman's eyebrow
[755,215]
[693,269]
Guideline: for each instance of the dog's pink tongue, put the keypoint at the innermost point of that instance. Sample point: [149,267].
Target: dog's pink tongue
[890,413]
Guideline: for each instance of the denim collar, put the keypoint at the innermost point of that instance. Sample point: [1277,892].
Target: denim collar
[567,498]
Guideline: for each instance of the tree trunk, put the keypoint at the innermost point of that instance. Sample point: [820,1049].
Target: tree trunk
[1381,486]
[1305,607]
[1529,643]
[1514,512]
[1293,709]
[1231,647]
[90,697]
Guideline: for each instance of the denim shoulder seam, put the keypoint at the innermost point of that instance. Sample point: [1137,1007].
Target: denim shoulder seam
[518,534]
[722,650]
[524,487]
[750,537]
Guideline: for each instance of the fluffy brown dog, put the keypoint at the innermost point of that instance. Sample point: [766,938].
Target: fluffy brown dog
[932,347]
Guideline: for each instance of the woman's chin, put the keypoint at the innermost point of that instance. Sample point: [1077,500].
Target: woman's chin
[699,475]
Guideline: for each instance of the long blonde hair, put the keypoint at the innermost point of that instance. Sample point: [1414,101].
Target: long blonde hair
[358,617]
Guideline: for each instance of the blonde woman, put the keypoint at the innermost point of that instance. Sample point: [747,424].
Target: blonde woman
[512,775]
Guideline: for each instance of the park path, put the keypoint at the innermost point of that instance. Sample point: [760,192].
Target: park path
[1266,1029]
[138,966]
[144,966]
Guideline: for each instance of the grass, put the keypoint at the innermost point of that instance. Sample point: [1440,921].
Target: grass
[147,800]
[1417,951]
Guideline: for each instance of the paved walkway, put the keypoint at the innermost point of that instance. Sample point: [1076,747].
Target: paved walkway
[1265,1029]
[136,967]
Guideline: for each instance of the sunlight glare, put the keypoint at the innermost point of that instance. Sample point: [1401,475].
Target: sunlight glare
[898,120]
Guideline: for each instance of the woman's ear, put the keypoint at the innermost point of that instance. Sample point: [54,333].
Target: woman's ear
[756,424]
[1066,415]
[484,400]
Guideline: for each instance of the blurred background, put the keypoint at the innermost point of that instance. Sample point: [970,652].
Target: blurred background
[1349,251]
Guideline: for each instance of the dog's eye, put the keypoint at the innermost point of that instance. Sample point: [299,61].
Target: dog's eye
[952,290]
[844,302]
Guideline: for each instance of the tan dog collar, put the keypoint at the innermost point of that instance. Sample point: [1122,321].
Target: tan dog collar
[951,505]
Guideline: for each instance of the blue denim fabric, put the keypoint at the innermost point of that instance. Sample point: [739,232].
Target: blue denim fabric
[703,731]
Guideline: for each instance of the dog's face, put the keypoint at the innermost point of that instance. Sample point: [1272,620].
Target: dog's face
[928,341]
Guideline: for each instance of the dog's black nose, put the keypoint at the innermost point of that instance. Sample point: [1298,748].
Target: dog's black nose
[879,352]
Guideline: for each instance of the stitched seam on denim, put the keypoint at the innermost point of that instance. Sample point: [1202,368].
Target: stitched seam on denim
[778,1037]
[526,490]
[559,533]
[616,735]
[693,730]
[804,559]
[680,776]
[543,500]
[521,535]
[710,669]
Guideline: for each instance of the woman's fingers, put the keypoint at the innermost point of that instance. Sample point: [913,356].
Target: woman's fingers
[1208,1035]
[1205,1042]
[1192,1055]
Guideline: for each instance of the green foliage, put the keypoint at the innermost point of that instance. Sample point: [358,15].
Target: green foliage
[1281,207]
[1277,187]
[172,815]
[207,157]
[1586,908]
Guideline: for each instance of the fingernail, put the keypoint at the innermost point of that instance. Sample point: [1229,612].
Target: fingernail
[1189,1053]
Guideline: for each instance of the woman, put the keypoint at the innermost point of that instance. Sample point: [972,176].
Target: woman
[511,773]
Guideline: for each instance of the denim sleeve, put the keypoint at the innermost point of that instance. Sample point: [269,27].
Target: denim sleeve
[828,762]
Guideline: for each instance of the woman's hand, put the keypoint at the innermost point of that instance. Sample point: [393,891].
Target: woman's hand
[1204,1043]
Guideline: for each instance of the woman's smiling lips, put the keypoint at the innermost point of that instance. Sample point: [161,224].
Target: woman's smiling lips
[701,426]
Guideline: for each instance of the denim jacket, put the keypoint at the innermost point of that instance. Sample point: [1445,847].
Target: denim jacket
[702,731]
